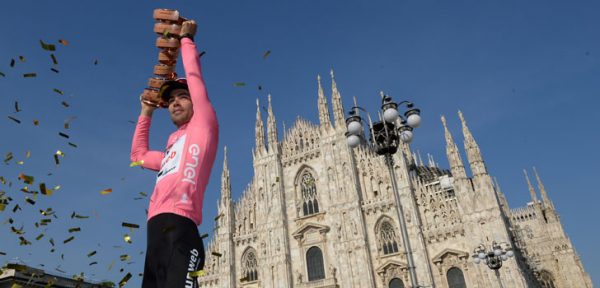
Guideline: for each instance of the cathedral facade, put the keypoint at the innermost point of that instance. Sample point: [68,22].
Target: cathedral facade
[320,214]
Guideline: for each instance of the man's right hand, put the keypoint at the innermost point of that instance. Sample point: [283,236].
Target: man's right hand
[147,107]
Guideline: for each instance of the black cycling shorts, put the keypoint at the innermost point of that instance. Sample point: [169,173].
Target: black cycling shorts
[174,249]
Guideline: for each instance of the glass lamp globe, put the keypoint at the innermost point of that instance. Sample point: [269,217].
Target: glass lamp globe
[510,253]
[497,252]
[413,120]
[353,141]
[476,260]
[390,115]
[406,136]
[481,255]
[354,128]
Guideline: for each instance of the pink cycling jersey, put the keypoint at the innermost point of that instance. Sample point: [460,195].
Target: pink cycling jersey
[184,168]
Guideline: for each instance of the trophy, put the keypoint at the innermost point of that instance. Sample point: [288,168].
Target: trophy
[167,26]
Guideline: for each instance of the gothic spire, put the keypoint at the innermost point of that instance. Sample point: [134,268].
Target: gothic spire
[456,164]
[531,190]
[545,197]
[323,108]
[472,149]
[338,108]
[225,179]
[259,129]
[271,128]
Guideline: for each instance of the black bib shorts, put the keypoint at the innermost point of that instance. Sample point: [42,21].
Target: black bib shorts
[174,249]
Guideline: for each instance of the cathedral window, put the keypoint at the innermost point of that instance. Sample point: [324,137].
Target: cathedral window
[249,265]
[314,264]
[388,238]
[309,194]
[546,280]
[396,283]
[456,279]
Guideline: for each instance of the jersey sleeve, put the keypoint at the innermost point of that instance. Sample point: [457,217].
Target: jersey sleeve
[204,113]
[139,146]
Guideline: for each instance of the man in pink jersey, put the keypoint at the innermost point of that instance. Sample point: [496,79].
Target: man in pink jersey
[174,244]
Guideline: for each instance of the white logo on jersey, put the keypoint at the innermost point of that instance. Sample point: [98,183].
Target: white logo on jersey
[189,173]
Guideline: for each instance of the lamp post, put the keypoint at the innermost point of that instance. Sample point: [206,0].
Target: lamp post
[385,136]
[493,258]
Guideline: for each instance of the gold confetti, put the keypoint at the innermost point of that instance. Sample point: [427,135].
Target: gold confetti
[21,162]
[124,280]
[127,238]
[27,154]
[47,47]
[2,253]
[63,135]
[125,224]
[39,237]
[17,110]
[75,229]
[22,58]
[69,239]
[17,231]
[64,103]
[204,236]
[12,63]
[36,122]
[267,53]
[95,62]
[217,254]
[2,207]
[195,274]
[72,144]
[14,119]
[58,91]
[106,191]
[93,263]
[63,42]
[51,241]
[54,70]
[2,74]
[124,257]
[54,59]
[239,84]
[23,241]
[30,201]
[47,212]
[136,163]
[201,54]
[27,179]
[75,215]
[29,75]
[8,157]
[44,190]
[91,253]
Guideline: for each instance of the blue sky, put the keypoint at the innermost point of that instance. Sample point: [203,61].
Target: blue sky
[524,73]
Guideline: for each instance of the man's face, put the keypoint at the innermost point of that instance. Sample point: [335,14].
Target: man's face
[180,107]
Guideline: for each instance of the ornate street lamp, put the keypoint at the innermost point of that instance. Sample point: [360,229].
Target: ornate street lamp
[494,257]
[385,136]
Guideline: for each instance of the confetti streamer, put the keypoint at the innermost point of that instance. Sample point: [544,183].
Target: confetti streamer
[26,178]
[267,53]
[75,215]
[239,84]
[69,239]
[58,91]
[124,280]
[14,119]
[106,191]
[137,163]
[129,225]
[30,75]
[47,47]
[54,59]
[195,274]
